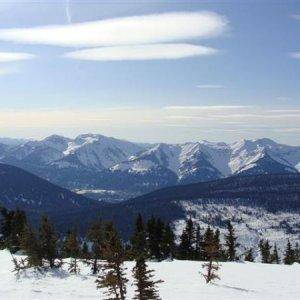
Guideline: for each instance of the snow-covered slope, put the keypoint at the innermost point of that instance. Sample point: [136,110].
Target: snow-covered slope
[181,280]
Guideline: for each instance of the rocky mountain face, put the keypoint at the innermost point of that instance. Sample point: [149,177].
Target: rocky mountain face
[93,161]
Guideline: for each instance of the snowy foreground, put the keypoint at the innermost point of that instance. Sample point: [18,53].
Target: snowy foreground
[182,280]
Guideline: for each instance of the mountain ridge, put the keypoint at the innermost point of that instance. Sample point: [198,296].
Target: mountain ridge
[102,162]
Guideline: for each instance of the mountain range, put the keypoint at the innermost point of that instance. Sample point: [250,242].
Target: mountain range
[92,162]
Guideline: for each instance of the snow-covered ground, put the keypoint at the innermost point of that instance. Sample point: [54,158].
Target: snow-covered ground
[250,223]
[182,280]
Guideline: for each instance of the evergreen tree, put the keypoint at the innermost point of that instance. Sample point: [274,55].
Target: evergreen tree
[289,257]
[96,237]
[297,253]
[265,252]
[208,239]
[218,246]
[30,245]
[198,243]
[72,250]
[85,254]
[113,278]
[12,226]
[249,255]
[168,243]
[187,241]
[143,279]
[275,256]
[231,243]
[48,241]
[139,239]
[211,252]
[151,237]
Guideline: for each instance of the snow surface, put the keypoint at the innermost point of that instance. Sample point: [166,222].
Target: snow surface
[182,280]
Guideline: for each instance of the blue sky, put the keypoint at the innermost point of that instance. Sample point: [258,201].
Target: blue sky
[151,71]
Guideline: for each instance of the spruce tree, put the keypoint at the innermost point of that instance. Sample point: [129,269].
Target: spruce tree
[48,241]
[198,243]
[218,246]
[297,253]
[187,241]
[289,257]
[231,243]
[30,245]
[96,236]
[208,239]
[151,237]
[139,239]
[113,278]
[168,243]
[85,253]
[72,250]
[143,280]
[275,256]
[211,252]
[249,255]
[265,251]
[12,224]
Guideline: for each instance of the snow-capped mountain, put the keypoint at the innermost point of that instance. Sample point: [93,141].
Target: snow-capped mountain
[203,161]
[96,161]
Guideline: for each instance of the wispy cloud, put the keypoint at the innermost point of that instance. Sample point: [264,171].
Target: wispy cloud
[134,30]
[206,107]
[210,86]
[295,55]
[68,12]
[14,56]
[296,16]
[142,52]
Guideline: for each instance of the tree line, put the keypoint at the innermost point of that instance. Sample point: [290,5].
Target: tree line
[105,253]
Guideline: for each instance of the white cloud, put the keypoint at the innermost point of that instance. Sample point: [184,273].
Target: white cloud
[210,86]
[295,55]
[145,29]
[142,52]
[14,56]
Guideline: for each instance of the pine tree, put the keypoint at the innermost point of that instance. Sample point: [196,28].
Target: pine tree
[139,239]
[208,239]
[72,250]
[48,241]
[168,243]
[289,257]
[198,243]
[187,241]
[96,237]
[275,256]
[211,252]
[145,286]
[249,255]
[12,225]
[113,278]
[297,253]
[265,253]
[30,245]
[85,254]
[218,246]
[230,242]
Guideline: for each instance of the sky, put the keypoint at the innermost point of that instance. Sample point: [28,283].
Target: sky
[151,71]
